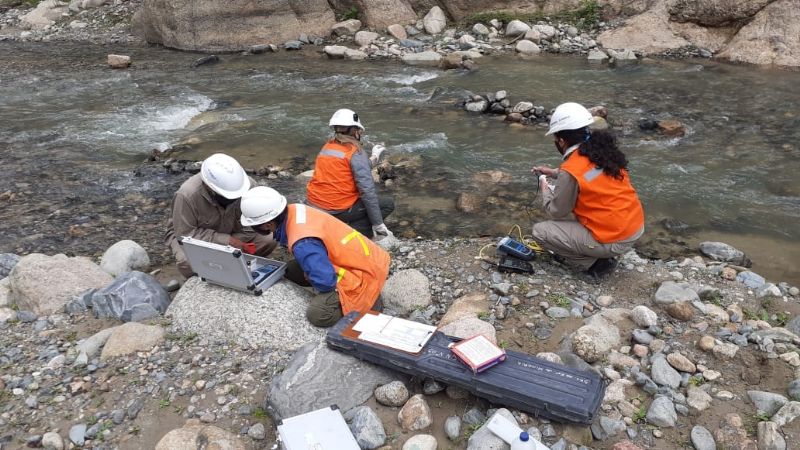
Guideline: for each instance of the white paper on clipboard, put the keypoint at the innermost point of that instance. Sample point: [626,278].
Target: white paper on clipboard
[394,332]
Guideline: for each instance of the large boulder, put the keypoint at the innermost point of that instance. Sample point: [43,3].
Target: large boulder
[772,37]
[318,377]
[44,284]
[406,291]
[130,338]
[516,28]
[195,435]
[435,21]
[213,26]
[379,14]
[715,12]
[124,256]
[275,319]
[132,297]
[647,33]
[45,13]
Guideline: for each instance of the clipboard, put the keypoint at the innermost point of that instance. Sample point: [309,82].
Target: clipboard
[388,331]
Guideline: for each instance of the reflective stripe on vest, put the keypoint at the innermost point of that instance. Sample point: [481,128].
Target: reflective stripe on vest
[361,266]
[607,206]
[332,187]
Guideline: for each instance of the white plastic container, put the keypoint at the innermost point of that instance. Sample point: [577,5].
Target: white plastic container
[524,442]
[512,434]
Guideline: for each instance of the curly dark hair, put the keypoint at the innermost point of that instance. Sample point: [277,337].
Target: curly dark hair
[601,149]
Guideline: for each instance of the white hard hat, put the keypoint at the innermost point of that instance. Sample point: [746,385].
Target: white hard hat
[569,116]
[224,176]
[345,118]
[260,205]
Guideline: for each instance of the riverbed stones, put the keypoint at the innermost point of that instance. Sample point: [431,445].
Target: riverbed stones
[435,21]
[397,31]
[275,319]
[392,394]
[787,413]
[405,291]
[643,316]
[7,262]
[767,402]
[132,337]
[470,305]
[346,27]
[680,362]
[597,55]
[335,51]
[663,373]
[124,256]
[720,251]
[697,399]
[44,284]
[682,311]
[733,434]
[52,441]
[427,58]
[483,438]
[526,47]
[356,55]
[364,38]
[44,15]
[194,435]
[662,413]
[480,29]
[671,292]
[769,437]
[415,415]
[595,340]
[91,346]
[452,427]
[702,438]
[305,385]
[516,28]
[366,427]
[468,327]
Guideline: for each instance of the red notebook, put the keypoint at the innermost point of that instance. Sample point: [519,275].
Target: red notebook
[478,352]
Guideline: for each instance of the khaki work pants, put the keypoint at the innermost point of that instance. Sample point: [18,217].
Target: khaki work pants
[324,310]
[575,244]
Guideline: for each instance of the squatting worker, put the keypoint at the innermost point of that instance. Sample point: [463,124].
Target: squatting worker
[595,210]
[206,207]
[342,182]
[346,269]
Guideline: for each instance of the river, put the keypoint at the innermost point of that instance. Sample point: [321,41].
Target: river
[73,134]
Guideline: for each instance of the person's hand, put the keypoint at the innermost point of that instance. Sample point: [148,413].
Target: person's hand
[377,150]
[381,229]
[249,248]
[543,184]
[544,170]
[236,243]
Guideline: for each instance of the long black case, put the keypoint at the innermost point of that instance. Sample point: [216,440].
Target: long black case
[522,381]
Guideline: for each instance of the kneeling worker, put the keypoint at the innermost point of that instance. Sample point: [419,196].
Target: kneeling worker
[347,269]
[597,213]
[342,184]
[206,207]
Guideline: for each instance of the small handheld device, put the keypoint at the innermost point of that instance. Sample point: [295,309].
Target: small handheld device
[262,272]
[510,264]
[517,249]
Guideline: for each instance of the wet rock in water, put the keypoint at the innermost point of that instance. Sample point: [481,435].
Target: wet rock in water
[527,47]
[305,385]
[335,51]
[275,319]
[350,54]
[468,202]
[516,28]
[674,225]
[622,55]
[647,124]
[346,27]
[132,297]
[124,256]
[479,106]
[468,327]
[452,61]
[483,438]
[366,427]
[597,55]
[452,427]
[406,290]
[262,48]
[435,21]
[415,414]
[44,284]
[392,394]
[7,262]
[662,413]
[130,338]
[195,432]
[421,442]
[702,438]
[397,31]
[119,61]
[293,45]
[428,58]
[522,107]
[206,60]
[767,402]
[671,292]
[769,437]
[720,251]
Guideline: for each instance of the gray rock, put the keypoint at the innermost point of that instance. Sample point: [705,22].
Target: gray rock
[305,385]
[516,28]
[435,21]
[642,337]
[364,38]
[415,414]
[406,290]
[431,387]
[794,390]
[26,316]
[411,43]
[671,292]
[787,414]
[767,402]
[721,251]
[775,335]
[421,442]
[769,290]
[452,427]
[124,256]
[479,106]
[134,407]
[366,427]
[594,341]
[429,58]
[561,444]
[663,373]
[474,417]
[118,416]
[52,441]
[557,312]
[527,47]
[257,431]
[275,319]
[5,292]
[662,413]
[335,51]
[91,346]
[480,29]
[132,297]
[77,434]
[643,316]
[702,439]
[769,437]
[293,45]
[392,394]
[605,427]
[7,262]
[346,27]
[751,279]
[7,315]
[484,439]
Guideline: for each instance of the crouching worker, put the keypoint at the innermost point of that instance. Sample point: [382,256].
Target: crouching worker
[346,269]
[206,207]
[597,214]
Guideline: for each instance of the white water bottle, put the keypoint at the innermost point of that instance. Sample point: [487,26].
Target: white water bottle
[523,442]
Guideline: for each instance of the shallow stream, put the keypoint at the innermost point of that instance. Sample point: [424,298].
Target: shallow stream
[73,134]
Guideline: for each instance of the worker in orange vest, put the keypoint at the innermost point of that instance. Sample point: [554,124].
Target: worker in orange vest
[346,269]
[342,183]
[596,213]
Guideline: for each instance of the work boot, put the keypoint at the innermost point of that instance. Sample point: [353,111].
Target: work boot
[602,267]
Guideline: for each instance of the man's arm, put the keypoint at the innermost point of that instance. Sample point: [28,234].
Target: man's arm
[186,223]
[362,174]
[560,201]
[313,258]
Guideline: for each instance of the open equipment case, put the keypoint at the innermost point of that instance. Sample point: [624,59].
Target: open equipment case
[230,267]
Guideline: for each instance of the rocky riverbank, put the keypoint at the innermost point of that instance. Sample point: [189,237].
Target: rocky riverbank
[699,353]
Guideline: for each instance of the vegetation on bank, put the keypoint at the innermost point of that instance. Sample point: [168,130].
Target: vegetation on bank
[587,16]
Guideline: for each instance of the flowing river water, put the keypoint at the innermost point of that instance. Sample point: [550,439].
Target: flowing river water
[73,134]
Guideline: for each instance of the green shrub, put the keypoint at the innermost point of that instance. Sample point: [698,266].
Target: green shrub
[351,13]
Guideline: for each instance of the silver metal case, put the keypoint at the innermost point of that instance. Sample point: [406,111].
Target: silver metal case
[228,266]
[323,429]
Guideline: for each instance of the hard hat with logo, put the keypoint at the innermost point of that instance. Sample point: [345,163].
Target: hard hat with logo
[224,176]
[569,116]
[260,205]
[345,118]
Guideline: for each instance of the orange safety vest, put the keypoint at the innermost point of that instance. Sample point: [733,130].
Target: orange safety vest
[607,206]
[333,187]
[361,265]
